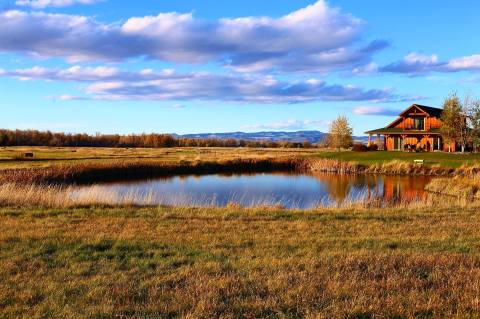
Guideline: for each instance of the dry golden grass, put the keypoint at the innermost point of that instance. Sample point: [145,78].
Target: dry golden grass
[237,263]
[467,187]
[117,170]
[62,257]
[392,167]
[12,157]
[68,196]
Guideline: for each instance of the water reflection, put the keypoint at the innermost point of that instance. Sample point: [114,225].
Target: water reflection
[288,190]
[387,187]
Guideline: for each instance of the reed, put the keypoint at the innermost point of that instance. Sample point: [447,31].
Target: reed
[467,187]
[71,196]
[85,173]
[90,172]
[394,167]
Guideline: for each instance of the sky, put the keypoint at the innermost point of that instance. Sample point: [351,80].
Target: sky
[185,66]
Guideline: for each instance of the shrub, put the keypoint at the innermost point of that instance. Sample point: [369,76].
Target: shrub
[359,147]
[373,147]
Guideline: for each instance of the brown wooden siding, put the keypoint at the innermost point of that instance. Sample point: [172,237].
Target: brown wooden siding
[407,123]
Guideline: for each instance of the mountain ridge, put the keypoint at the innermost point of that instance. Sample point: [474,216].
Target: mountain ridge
[311,136]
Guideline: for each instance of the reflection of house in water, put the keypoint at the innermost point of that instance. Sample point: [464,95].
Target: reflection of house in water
[404,187]
[341,187]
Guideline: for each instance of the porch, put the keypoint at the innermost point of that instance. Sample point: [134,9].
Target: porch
[408,142]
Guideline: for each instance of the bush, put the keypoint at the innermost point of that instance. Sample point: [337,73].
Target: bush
[358,147]
[373,147]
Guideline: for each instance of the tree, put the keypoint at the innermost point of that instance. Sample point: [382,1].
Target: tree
[474,122]
[340,133]
[464,125]
[453,120]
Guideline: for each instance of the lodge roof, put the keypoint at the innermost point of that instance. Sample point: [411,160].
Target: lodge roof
[433,111]
[390,129]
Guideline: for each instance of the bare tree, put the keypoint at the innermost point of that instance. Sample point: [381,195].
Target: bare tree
[340,133]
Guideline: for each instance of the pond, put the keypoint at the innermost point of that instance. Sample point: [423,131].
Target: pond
[289,190]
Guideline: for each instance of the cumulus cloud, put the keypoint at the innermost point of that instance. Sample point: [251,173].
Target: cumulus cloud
[113,84]
[317,38]
[375,110]
[417,64]
[289,125]
[42,4]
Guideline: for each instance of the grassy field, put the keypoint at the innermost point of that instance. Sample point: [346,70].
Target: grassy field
[159,262]
[231,263]
[11,157]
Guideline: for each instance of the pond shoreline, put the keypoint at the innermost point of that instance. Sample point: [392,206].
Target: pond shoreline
[85,173]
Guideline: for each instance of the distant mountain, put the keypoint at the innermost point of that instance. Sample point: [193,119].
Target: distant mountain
[299,136]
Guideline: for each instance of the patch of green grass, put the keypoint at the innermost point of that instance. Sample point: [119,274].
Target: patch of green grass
[431,158]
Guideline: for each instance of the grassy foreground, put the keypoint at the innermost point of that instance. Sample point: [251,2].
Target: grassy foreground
[232,263]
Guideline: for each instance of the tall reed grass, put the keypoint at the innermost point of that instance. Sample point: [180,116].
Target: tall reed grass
[71,196]
[85,173]
[458,186]
[394,167]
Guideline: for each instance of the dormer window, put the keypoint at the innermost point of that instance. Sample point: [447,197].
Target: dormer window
[418,123]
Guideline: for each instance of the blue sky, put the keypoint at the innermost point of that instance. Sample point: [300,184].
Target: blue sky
[215,66]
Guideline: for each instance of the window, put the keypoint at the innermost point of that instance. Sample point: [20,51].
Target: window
[418,123]
[397,143]
[437,144]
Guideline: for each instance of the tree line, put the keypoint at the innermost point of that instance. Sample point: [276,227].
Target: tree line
[47,138]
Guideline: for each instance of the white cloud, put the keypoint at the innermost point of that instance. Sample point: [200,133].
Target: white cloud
[317,38]
[417,64]
[375,110]
[42,4]
[289,125]
[421,58]
[370,68]
[66,97]
[114,84]
[471,62]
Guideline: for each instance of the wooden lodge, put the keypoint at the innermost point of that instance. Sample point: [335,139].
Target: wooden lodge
[416,128]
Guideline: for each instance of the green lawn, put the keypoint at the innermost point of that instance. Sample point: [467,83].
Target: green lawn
[433,158]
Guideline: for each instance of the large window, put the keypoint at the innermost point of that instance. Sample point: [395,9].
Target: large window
[418,123]
[437,144]
[397,143]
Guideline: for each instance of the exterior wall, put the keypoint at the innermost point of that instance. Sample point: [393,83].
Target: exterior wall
[430,123]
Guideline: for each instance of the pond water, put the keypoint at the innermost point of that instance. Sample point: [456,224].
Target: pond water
[286,189]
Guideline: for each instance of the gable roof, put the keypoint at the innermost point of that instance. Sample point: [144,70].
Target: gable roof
[432,111]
